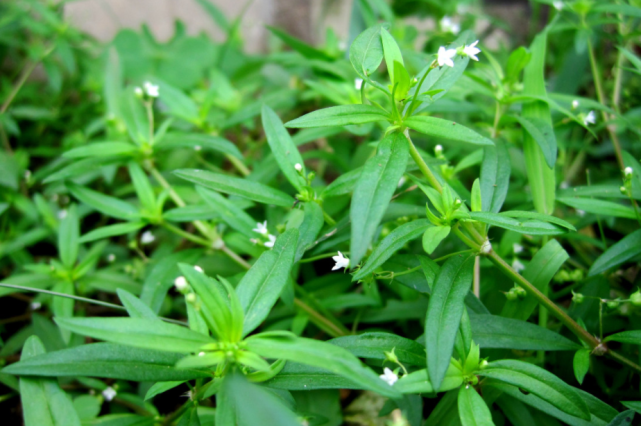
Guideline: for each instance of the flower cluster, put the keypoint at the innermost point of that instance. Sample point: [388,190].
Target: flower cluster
[149,89]
[261,228]
[445,56]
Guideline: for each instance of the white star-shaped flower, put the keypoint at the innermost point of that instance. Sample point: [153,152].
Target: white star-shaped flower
[151,89]
[271,241]
[109,393]
[590,118]
[388,376]
[147,238]
[450,26]
[341,261]
[472,51]
[518,248]
[180,283]
[445,57]
[261,228]
[517,265]
[358,83]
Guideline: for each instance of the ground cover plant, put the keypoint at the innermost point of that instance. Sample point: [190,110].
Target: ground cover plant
[363,233]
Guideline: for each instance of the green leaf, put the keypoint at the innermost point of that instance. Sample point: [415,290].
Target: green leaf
[105,360]
[391,244]
[198,141]
[632,336]
[310,227]
[161,387]
[134,115]
[542,132]
[322,355]
[111,231]
[232,185]
[433,237]
[296,376]
[190,418]
[34,400]
[178,104]
[344,184]
[262,284]
[540,175]
[283,147]
[103,203]
[581,364]
[473,411]
[391,52]
[68,234]
[623,419]
[622,251]
[544,265]
[63,306]
[138,332]
[341,115]
[444,314]
[135,307]
[623,9]
[418,381]
[143,187]
[539,216]
[477,201]
[633,405]
[373,345]
[527,226]
[446,129]
[366,51]
[267,409]
[300,46]
[102,149]
[374,190]
[539,382]
[229,213]
[600,207]
[493,331]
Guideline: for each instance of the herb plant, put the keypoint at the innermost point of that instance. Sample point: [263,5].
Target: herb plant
[320,235]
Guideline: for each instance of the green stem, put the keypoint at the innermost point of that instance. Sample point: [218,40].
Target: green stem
[186,235]
[328,219]
[422,165]
[324,323]
[239,165]
[319,257]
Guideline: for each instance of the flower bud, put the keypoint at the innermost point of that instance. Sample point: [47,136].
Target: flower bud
[511,295]
[483,364]
[520,292]
[577,298]
[612,304]
[627,172]
[623,190]
[635,298]
[438,150]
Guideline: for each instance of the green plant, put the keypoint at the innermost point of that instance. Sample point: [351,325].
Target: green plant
[481,308]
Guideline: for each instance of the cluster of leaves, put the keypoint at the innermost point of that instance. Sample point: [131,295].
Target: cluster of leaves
[156,202]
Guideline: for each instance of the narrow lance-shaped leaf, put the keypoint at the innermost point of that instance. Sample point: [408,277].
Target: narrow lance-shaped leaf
[444,314]
[68,235]
[103,203]
[231,214]
[541,131]
[143,187]
[262,284]
[281,144]
[541,383]
[446,129]
[374,190]
[366,51]
[540,174]
[340,116]
[473,411]
[237,186]
[495,176]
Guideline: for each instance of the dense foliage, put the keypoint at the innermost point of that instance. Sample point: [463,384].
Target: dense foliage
[410,228]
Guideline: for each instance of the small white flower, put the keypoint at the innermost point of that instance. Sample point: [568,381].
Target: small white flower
[575,104]
[628,171]
[35,306]
[138,92]
[197,148]
[341,261]
[438,149]
[151,89]
[147,238]
[253,241]
[298,167]
[590,118]
[564,185]
[199,269]
[580,212]
[450,26]
[180,283]
[261,228]
[111,257]
[62,214]
[271,241]
[401,182]
[472,51]
[388,376]
[358,83]
[445,56]
[109,393]
[517,265]
[518,248]
[486,247]
[558,5]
